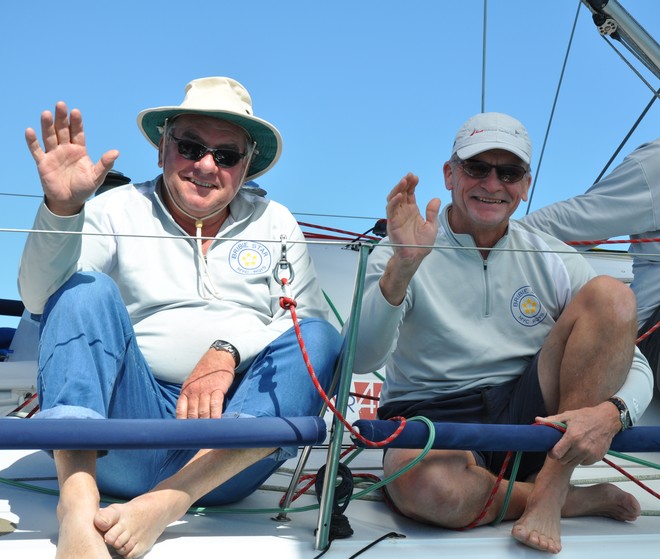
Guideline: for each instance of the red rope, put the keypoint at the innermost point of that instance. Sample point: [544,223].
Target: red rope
[303,490]
[288,303]
[24,404]
[613,241]
[312,477]
[648,332]
[619,469]
[342,231]
[498,481]
[491,497]
[322,237]
[631,477]
[572,243]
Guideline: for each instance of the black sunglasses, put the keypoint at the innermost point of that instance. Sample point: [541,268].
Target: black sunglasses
[194,151]
[480,170]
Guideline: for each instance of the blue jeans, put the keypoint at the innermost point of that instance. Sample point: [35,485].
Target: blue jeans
[90,366]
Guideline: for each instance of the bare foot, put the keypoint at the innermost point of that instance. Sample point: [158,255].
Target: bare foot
[603,499]
[539,525]
[77,506]
[132,528]
[79,539]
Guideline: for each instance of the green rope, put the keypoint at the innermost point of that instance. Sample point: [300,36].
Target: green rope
[333,308]
[509,489]
[199,510]
[413,463]
[370,489]
[634,459]
[614,453]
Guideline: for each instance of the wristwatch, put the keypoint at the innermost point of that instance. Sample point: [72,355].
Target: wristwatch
[624,416]
[221,345]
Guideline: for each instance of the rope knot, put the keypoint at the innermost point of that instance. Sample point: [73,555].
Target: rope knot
[287,302]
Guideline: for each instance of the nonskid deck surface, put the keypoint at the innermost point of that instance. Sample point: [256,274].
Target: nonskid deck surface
[247,534]
[239,534]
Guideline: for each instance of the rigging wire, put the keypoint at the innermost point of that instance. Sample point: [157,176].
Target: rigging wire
[483,60]
[656,93]
[627,136]
[17,195]
[635,70]
[552,111]
[335,241]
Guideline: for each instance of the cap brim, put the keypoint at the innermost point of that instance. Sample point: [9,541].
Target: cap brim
[476,149]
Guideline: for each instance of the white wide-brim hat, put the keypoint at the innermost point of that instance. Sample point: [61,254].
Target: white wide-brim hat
[486,131]
[225,99]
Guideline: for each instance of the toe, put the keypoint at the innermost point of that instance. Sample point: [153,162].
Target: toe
[106,518]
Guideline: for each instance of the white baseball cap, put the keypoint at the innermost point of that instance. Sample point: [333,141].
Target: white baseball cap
[486,131]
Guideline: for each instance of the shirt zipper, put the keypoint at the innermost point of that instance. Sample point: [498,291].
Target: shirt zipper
[487,303]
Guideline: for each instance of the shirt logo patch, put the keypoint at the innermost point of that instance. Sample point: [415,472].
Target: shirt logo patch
[526,307]
[249,258]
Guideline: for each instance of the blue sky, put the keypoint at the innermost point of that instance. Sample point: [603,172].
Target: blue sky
[362,91]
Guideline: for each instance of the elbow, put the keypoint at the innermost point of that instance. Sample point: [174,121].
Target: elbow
[33,305]
[366,361]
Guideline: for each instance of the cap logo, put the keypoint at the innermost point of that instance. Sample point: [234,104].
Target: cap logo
[475,131]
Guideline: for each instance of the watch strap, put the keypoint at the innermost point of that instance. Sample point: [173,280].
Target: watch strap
[222,345]
[624,415]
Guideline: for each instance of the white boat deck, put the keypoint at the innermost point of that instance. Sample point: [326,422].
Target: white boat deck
[28,525]
[239,533]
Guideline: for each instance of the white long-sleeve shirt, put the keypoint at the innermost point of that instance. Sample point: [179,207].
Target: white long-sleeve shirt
[178,303]
[466,322]
[625,202]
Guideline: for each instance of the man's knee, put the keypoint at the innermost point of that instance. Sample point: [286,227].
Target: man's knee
[605,294]
[322,341]
[83,289]
[431,492]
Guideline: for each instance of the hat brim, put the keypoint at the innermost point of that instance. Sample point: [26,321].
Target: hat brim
[267,137]
[476,149]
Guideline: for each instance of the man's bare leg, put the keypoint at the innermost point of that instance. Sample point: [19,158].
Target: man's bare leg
[77,506]
[132,528]
[584,361]
[449,489]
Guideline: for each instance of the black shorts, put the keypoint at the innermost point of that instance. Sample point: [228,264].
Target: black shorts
[517,402]
[650,346]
